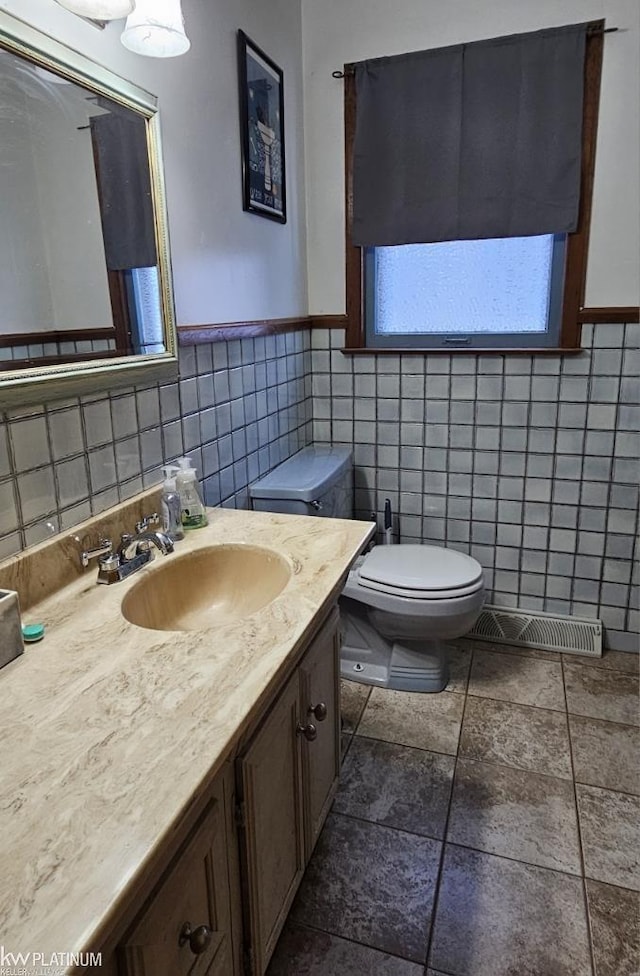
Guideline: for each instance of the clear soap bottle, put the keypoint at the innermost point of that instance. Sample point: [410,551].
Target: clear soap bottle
[171,506]
[193,512]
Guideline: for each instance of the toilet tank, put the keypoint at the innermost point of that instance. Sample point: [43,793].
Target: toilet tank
[315,481]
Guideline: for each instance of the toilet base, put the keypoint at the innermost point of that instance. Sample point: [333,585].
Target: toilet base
[369,658]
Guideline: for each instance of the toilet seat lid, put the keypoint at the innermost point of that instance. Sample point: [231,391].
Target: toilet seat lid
[420,571]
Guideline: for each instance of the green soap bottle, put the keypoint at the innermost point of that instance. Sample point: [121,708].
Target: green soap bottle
[192,511]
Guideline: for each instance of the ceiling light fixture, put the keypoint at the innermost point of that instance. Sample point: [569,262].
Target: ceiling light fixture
[99,9]
[156,29]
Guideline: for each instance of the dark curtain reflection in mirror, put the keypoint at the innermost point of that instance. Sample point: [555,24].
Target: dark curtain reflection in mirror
[78,259]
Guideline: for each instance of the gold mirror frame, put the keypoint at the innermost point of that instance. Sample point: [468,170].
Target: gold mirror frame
[41,383]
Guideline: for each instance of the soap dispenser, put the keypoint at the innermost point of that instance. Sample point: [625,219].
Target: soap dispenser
[194,515]
[171,506]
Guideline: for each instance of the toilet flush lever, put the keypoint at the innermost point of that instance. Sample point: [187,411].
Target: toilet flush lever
[316,505]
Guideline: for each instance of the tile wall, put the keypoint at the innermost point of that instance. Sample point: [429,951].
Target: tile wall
[528,463]
[239,408]
[59,347]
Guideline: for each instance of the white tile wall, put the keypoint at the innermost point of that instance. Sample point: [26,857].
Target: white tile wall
[528,463]
[238,408]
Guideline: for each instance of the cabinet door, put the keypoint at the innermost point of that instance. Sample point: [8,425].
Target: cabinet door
[186,928]
[320,707]
[272,842]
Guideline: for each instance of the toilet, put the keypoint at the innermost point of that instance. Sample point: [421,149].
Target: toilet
[400,603]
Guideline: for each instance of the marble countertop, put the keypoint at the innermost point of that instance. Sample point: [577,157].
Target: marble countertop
[107,730]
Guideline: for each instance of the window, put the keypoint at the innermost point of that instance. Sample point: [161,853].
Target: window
[465,294]
[145,310]
[510,293]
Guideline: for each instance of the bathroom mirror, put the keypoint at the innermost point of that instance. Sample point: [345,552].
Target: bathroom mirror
[85,276]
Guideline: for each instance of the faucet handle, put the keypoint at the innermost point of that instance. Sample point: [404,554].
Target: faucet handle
[104,548]
[146,521]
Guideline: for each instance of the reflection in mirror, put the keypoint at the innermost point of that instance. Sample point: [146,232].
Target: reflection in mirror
[85,270]
[78,257]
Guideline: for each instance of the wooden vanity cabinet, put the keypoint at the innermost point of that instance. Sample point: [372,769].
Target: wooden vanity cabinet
[219,907]
[272,851]
[319,674]
[286,780]
[185,929]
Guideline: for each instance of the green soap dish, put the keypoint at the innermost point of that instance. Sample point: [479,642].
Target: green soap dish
[32,633]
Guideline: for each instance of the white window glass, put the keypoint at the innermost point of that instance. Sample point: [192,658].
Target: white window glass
[148,310]
[465,286]
[469,291]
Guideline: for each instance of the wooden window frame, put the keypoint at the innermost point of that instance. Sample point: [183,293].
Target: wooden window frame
[577,242]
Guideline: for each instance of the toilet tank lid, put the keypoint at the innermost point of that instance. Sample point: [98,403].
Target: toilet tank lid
[305,476]
[420,567]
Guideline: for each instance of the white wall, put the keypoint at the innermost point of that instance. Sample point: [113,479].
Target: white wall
[52,272]
[228,265]
[339,31]
[24,275]
[68,193]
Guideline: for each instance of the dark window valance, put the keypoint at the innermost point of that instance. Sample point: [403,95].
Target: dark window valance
[472,141]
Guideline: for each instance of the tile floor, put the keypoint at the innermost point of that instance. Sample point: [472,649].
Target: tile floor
[491,830]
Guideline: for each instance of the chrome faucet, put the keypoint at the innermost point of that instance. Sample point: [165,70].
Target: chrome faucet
[134,551]
[133,545]
[104,548]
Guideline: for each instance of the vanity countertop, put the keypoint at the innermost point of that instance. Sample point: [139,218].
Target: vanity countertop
[107,730]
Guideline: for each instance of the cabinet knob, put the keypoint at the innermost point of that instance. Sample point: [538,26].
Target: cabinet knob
[319,710]
[309,731]
[199,939]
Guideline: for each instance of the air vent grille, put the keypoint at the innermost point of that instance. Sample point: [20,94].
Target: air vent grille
[572,635]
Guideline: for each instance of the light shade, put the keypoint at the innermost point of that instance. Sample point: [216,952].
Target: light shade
[99,9]
[156,29]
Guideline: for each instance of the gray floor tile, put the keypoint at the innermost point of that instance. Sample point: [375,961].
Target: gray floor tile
[346,738]
[459,664]
[535,739]
[610,828]
[499,648]
[597,693]
[412,719]
[353,698]
[511,677]
[306,952]
[371,884]
[610,660]
[501,918]
[615,933]
[605,754]
[522,815]
[397,786]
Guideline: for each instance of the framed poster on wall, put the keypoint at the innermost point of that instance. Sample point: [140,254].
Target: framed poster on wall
[261,132]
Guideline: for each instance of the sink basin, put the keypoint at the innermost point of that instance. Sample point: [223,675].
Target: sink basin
[207,588]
